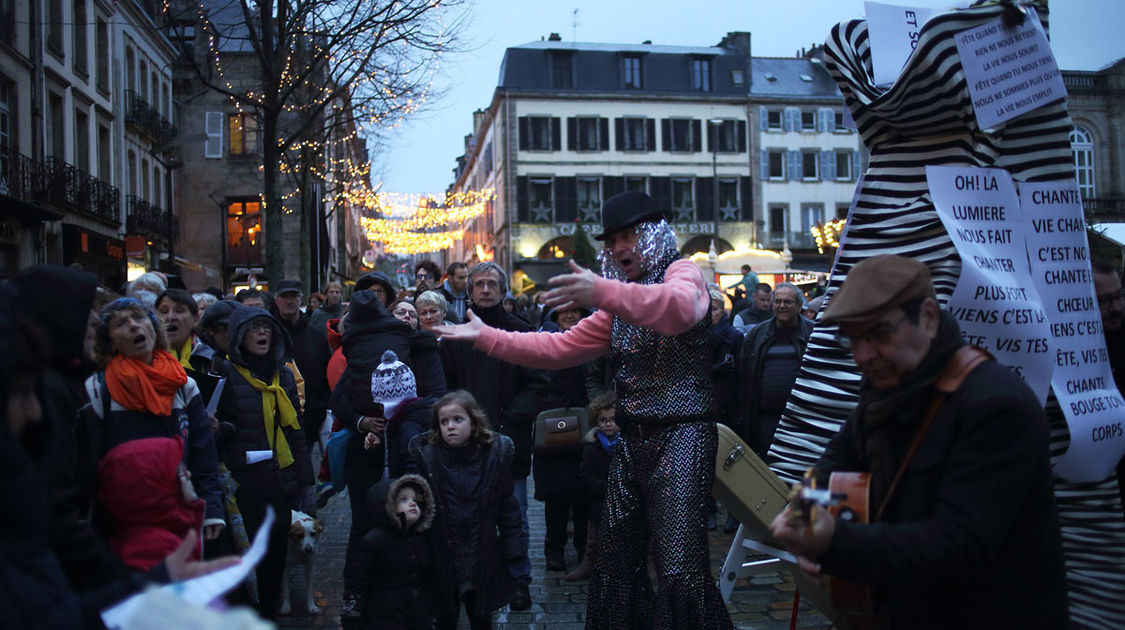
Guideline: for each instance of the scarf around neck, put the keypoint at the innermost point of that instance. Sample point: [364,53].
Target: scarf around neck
[138,386]
[184,354]
[609,446]
[274,402]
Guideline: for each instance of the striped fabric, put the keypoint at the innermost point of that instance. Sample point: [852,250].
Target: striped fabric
[926,117]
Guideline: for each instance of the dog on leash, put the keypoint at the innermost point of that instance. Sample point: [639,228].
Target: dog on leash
[304,532]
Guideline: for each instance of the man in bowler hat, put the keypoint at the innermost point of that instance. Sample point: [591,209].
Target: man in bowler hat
[653,320]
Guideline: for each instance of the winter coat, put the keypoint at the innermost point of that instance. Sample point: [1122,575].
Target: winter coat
[511,395]
[480,519]
[337,363]
[593,473]
[458,304]
[321,316]
[140,491]
[726,344]
[311,353]
[973,520]
[240,410]
[400,578]
[188,420]
[752,357]
[556,474]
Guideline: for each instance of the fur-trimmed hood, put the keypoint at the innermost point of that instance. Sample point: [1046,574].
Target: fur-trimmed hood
[591,436]
[382,499]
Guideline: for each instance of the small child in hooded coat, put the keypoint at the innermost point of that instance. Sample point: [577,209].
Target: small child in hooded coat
[149,500]
[401,576]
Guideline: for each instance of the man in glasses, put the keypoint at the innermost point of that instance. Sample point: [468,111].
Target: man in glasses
[1111,303]
[957,450]
[426,276]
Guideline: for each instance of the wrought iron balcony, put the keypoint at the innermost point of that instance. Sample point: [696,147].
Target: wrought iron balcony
[64,186]
[1104,210]
[146,119]
[145,219]
[20,176]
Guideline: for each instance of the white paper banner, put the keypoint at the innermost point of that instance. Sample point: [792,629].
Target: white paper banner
[1083,383]
[1009,71]
[893,31]
[995,301]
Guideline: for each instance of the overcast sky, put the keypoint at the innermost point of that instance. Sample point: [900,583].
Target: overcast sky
[420,156]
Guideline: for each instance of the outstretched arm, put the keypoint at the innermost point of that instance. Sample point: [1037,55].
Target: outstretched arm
[588,340]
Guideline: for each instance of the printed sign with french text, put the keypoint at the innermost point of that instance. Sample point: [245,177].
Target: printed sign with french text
[893,31]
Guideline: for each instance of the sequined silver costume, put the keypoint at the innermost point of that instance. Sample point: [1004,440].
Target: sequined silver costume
[659,486]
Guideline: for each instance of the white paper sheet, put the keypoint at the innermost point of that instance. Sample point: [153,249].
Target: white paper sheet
[893,31]
[253,457]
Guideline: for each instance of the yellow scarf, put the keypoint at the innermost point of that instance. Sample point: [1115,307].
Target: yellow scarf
[184,354]
[274,399]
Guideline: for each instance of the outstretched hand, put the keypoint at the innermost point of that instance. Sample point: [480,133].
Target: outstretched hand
[572,290]
[469,331]
[180,568]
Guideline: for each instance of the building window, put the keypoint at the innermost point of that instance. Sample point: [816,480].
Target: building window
[213,146]
[683,199]
[776,164]
[737,77]
[679,139]
[1082,147]
[725,136]
[809,165]
[539,129]
[157,184]
[243,136]
[636,184]
[589,199]
[130,69]
[541,200]
[80,38]
[55,26]
[728,199]
[105,155]
[839,125]
[56,131]
[844,166]
[811,214]
[131,176]
[778,220]
[775,120]
[808,121]
[101,41]
[588,139]
[146,183]
[632,72]
[81,140]
[244,232]
[842,210]
[7,93]
[701,75]
[633,135]
[562,71]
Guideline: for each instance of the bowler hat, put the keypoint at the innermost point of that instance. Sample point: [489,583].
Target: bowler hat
[876,285]
[625,210]
[288,286]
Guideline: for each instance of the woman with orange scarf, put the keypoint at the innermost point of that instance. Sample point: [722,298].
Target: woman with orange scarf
[142,391]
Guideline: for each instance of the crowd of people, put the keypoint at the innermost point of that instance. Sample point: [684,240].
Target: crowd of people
[148,430]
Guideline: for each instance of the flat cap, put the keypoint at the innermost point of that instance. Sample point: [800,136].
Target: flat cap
[878,284]
[288,286]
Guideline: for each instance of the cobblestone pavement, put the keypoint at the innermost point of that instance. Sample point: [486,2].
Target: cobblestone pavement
[765,603]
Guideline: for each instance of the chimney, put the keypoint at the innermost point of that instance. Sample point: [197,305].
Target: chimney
[647,42]
[478,118]
[554,37]
[738,41]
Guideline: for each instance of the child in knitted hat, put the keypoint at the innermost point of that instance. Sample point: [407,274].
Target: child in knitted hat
[392,386]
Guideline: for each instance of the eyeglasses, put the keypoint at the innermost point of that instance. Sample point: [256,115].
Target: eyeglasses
[1109,298]
[260,327]
[422,275]
[402,312]
[877,334]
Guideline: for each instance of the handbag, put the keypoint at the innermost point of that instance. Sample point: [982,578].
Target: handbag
[560,430]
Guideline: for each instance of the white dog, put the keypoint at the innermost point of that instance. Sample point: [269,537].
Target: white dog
[303,533]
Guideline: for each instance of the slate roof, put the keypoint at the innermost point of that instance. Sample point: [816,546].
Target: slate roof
[787,78]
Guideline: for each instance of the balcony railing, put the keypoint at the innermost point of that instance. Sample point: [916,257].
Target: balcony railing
[145,219]
[20,176]
[795,240]
[65,186]
[1102,209]
[149,121]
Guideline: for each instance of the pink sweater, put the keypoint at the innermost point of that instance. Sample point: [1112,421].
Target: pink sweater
[669,308]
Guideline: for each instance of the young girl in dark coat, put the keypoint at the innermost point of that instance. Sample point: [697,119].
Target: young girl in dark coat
[400,578]
[467,466]
[600,447]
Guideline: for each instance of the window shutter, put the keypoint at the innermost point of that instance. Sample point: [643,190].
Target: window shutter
[650,134]
[795,166]
[665,134]
[603,134]
[619,133]
[522,213]
[571,133]
[740,130]
[857,167]
[566,202]
[747,198]
[712,137]
[213,147]
[556,140]
[822,123]
[661,189]
[611,186]
[697,135]
[523,133]
[792,119]
[705,199]
[765,160]
[827,165]
[763,118]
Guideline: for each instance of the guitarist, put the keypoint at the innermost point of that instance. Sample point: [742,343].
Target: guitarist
[964,530]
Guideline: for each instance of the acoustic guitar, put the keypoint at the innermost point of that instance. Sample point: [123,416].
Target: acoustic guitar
[847,498]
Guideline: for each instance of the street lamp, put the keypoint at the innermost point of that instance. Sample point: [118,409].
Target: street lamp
[715,124]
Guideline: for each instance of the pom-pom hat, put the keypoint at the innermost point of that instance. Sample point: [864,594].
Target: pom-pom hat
[392,382]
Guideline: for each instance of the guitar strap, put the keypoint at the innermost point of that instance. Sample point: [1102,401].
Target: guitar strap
[963,361]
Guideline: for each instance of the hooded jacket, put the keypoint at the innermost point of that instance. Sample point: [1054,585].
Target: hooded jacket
[458,303]
[401,577]
[241,405]
[140,490]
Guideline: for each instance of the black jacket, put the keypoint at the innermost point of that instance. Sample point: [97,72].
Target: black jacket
[751,358]
[400,578]
[479,517]
[726,345]
[973,524]
[593,473]
[511,395]
[311,352]
[240,410]
[556,474]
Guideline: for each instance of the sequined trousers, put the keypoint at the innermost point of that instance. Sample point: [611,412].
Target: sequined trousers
[658,491]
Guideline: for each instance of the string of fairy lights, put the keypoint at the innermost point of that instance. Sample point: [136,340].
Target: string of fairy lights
[828,234]
[414,224]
